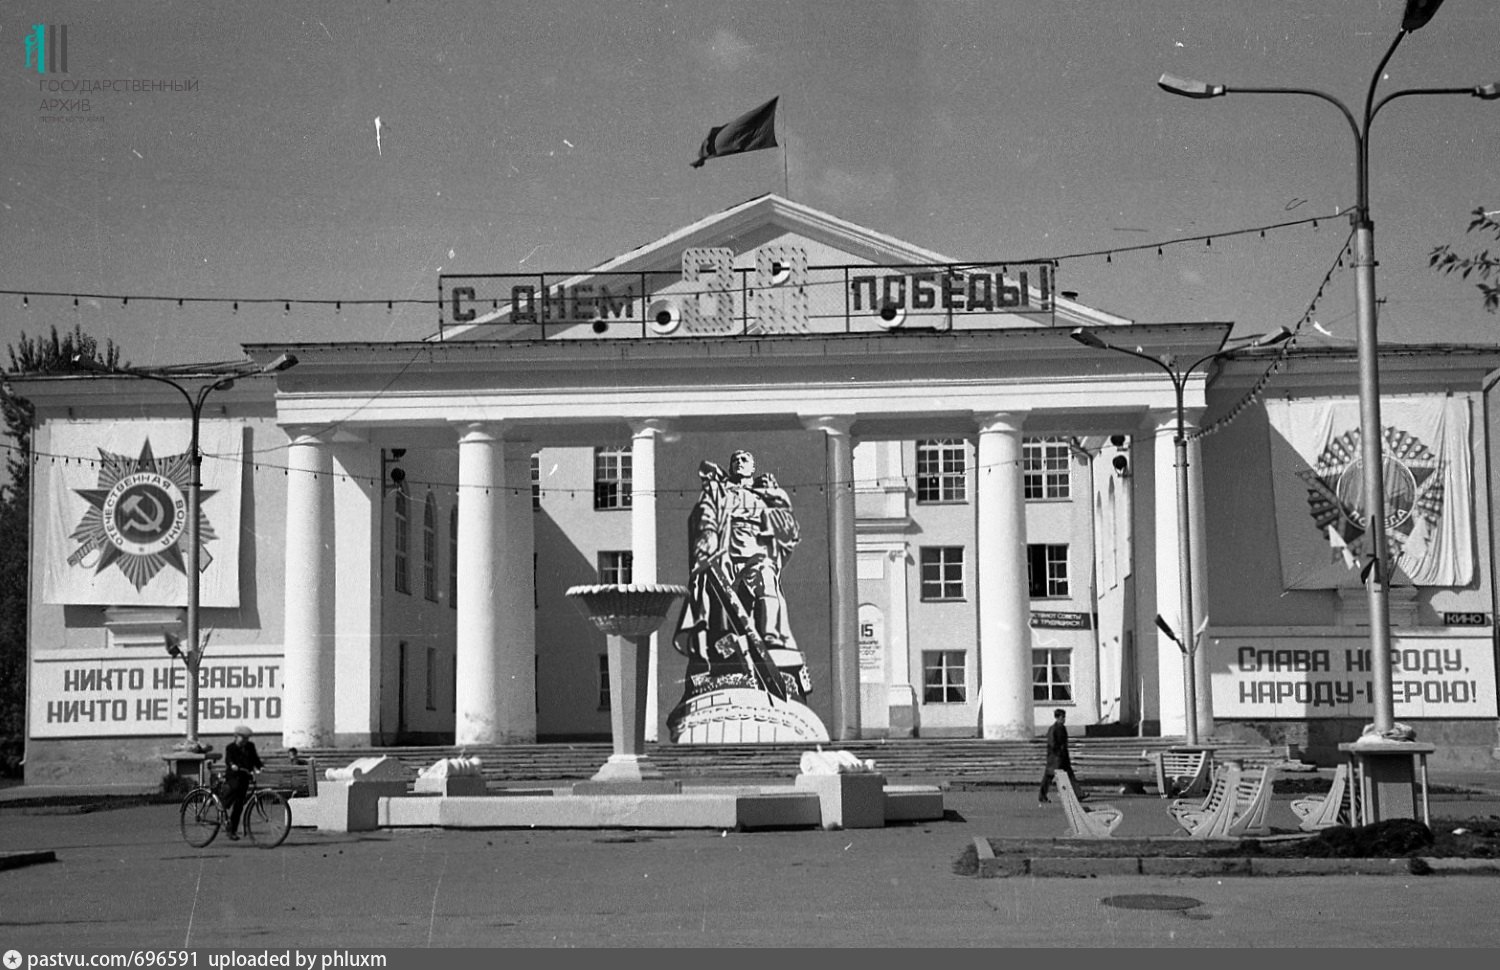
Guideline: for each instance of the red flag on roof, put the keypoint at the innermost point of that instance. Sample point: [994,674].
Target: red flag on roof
[1417,13]
[747,133]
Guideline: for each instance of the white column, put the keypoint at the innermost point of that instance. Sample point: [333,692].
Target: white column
[1170,662]
[307,662]
[358,494]
[643,569]
[1000,584]
[496,641]
[843,574]
[518,600]
[1132,674]
[899,692]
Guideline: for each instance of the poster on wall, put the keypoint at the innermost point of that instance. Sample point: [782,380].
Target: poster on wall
[871,644]
[1302,677]
[74,697]
[1321,515]
[116,530]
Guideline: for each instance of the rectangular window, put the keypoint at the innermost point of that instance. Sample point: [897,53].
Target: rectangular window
[604,682]
[1046,570]
[1046,468]
[536,482]
[942,470]
[615,567]
[432,678]
[611,478]
[942,572]
[1052,675]
[943,677]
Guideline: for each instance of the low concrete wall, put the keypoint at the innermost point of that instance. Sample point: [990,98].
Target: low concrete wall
[1461,745]
[362,806]
[113,761]
[848,801]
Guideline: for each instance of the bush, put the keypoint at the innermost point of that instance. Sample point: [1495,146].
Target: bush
[176,786]
[12,752]
[1388,839]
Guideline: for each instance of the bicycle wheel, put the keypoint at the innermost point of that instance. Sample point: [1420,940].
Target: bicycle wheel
[200,818]
[268,819]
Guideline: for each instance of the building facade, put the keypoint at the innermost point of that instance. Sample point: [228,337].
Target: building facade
[984,516]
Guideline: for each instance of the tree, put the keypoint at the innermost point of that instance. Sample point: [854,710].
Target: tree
[52,354]
[1484,264]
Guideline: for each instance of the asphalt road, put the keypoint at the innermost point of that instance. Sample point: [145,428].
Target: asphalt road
[125,879]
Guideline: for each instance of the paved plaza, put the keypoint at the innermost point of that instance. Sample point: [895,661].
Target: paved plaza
[123,877]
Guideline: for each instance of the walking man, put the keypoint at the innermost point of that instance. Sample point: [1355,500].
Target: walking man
[1057,756]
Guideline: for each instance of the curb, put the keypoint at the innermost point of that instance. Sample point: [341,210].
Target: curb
[992,866]
[15,860]
[79,804]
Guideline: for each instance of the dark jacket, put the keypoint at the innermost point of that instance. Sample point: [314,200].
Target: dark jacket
[240,755]
[1057,746]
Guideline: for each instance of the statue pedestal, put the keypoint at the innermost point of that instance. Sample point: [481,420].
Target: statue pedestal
[1392,779]
[628,774]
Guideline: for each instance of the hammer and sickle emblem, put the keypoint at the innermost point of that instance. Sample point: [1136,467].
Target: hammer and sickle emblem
[142,521]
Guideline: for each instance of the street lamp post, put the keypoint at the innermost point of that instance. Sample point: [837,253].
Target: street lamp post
[1417,13]
[1187,640]
[191,652]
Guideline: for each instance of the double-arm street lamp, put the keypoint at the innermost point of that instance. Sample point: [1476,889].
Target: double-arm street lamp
[195,395]
[1187,640]
[1416,15]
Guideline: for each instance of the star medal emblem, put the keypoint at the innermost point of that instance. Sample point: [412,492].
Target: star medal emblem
[137,519]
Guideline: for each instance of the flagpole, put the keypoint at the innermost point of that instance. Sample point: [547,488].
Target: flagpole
[786,179]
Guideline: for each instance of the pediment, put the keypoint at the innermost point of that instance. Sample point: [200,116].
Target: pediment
[765,266]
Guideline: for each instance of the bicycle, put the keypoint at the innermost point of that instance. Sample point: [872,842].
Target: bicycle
[266,818]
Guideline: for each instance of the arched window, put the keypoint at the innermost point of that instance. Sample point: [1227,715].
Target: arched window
[429,548]
[401,575]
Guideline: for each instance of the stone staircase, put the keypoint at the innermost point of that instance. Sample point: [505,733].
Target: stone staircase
[932,761]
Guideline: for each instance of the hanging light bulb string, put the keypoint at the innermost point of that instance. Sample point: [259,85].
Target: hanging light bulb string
[1250,397]
[338,303]
[1253,395]
[410,483]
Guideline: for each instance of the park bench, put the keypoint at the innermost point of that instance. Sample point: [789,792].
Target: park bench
[1180,773]
[1340,806]
[1236,805]
[1097,769]
[1086,821]
[292,780]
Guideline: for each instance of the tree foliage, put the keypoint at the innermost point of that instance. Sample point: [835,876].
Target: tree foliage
[54,353]
[1484,264]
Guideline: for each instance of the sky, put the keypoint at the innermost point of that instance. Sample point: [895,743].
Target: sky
[553,136]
